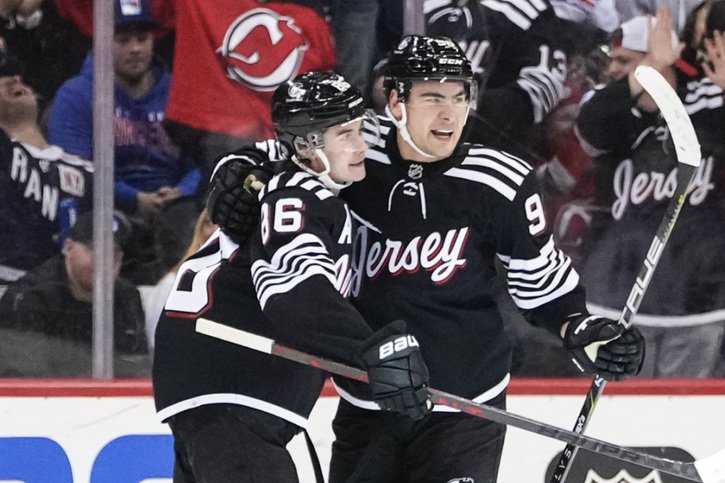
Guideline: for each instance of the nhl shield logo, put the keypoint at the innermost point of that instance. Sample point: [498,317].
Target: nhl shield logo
[465,479]
[622,477]
[415,171]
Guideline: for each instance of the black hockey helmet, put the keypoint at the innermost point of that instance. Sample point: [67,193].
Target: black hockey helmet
[421,58]
[305,106]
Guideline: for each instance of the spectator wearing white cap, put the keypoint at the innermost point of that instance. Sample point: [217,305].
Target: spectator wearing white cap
[629,46]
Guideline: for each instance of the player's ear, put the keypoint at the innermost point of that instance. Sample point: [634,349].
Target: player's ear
[394,104]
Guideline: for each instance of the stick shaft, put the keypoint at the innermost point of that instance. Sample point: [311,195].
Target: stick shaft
[681,469]
[688,157]
[634,299]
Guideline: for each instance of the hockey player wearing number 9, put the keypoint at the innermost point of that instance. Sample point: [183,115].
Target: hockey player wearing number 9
[233,410]
[435,214]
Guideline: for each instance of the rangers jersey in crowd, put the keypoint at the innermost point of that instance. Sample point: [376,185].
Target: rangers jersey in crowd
[43,192]
[294,292]
[637,174]
[426,247]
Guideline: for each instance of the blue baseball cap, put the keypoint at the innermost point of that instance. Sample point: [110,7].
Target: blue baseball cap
[134,12]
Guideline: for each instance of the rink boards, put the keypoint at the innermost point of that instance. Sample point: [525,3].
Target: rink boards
[94,431]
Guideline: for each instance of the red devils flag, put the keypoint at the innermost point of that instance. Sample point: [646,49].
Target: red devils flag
[230,55]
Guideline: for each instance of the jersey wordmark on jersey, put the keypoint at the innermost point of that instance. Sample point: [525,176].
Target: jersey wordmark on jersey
[426,249]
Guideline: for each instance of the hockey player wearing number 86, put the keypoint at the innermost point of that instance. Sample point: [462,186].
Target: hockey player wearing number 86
[435,215]
[232,411]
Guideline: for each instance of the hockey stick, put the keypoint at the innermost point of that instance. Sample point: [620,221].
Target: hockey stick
[707,470]
[688,159]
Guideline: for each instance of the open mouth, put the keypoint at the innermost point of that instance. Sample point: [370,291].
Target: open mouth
[442,134]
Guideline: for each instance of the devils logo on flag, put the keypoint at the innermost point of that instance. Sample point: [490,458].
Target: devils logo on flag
[262,49]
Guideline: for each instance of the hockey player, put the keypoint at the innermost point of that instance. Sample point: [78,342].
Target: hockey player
[231,410]
[435,216]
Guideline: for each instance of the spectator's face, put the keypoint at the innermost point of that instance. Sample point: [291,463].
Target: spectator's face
[622,61]
[132,53]
[79,268]
[436,114]
[17,100]
[560,124]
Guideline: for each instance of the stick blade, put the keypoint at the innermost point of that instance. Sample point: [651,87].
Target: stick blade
[676,117]
[712,468]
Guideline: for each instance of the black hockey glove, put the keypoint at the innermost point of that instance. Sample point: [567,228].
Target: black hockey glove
[398,376]
[602,346]
[232,202]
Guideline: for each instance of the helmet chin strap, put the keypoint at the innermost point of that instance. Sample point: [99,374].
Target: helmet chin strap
[324,175]
[403,129]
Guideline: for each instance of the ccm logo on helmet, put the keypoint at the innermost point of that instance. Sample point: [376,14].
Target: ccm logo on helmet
[451,61]
[397,345]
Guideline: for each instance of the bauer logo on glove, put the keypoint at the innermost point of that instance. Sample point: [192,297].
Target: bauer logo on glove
[397,345]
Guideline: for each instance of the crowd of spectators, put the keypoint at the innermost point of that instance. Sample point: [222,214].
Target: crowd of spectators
[193,81]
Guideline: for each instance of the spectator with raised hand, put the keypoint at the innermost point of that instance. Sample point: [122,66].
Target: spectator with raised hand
[49,313]
[150,170]
[621,127]
[43,188]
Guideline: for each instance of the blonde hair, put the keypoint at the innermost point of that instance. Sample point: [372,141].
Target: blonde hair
[203,228]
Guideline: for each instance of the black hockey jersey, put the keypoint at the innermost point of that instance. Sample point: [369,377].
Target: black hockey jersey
[425,251]
[293,292]
[637,174]
[517,53]
[39,188]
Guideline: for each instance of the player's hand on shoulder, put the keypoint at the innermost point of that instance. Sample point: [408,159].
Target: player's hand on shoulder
[397,374]
[602,346]
[233,202]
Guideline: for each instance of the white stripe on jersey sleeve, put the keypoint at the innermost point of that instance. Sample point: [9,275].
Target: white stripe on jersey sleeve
[516,163]
[702,94]
[498,170]
[302,258]
[379,156]
[489,163]
[520,12]
[301,179]
[534,282]
[469,174]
